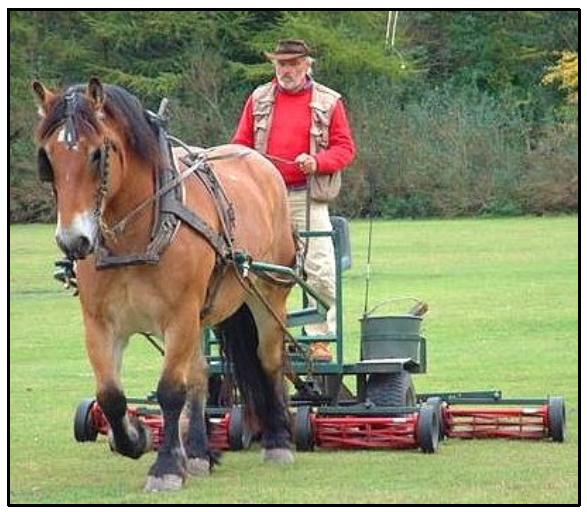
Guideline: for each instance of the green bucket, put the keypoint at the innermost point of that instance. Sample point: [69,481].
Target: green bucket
[391,336]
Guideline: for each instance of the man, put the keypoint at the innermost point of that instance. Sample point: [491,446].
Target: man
[303,128]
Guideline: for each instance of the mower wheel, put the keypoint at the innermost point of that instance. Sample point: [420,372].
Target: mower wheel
[391,389]
[557,421]
[84,428]
[239,436]
[303,430]
[437,403]
[427,428]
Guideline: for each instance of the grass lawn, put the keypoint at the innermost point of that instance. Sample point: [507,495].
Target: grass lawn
[503,296]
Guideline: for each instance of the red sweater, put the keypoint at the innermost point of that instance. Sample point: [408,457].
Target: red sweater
[290,135]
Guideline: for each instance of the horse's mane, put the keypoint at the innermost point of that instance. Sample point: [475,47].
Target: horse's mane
[125,111]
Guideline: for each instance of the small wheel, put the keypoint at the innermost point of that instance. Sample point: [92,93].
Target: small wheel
[427,429]
[303,430]
[239,436]
[84,427]
[437,403]
[557,421]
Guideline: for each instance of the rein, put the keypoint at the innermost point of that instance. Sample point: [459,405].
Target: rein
[121,225]
[279,159]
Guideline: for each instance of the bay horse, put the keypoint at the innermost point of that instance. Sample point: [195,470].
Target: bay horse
[101,151]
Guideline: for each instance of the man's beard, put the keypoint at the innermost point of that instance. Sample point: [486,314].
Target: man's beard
[289,82]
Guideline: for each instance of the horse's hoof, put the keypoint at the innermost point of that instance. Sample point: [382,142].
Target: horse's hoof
[144,445]
[279,455]
[165,483]
[198,467]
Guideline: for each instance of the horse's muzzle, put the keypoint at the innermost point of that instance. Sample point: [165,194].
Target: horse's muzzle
[76,249]
[78,240]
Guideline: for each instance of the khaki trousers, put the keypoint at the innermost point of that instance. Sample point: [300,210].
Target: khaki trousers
[319,263]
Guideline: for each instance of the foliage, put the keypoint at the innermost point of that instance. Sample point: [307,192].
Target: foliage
[566,73]
[462,153]
[453,120]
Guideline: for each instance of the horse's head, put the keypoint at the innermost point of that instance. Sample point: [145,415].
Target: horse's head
[75,147]
[86,137]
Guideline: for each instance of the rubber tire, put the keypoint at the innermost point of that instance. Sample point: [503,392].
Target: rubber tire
[557,421]
[437,403]
[391,389]
[427,429]
[84,428]
[238,435]
[303,430]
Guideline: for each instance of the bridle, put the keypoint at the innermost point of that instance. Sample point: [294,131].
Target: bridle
[71,139]
[104,172]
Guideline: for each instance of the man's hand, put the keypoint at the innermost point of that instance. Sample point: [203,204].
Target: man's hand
[306,163]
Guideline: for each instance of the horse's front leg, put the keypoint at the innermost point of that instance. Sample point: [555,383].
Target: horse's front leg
[128,436]
[181,339]
[200,458]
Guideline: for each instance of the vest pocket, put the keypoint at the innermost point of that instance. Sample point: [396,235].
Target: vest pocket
[322,117]
[320,135]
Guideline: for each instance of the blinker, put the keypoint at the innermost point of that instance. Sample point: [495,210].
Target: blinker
[44,166]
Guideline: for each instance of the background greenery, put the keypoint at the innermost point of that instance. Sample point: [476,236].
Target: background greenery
[471,112]
[503,296]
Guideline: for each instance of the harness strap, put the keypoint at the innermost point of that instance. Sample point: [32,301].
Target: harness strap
[223,205]
[249,286]
[106,260]
[201,226]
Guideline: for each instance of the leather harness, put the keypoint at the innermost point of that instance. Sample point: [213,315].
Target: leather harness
[170,210]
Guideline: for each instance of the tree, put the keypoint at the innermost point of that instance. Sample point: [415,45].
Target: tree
[566,73]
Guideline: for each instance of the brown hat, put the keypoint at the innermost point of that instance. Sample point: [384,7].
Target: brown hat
[289,49]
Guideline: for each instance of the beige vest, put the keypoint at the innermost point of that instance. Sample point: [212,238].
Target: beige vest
[323,187]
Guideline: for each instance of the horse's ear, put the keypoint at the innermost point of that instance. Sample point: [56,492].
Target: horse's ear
[95,93]
[44,96]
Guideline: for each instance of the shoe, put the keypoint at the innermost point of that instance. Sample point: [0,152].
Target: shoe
[319,351]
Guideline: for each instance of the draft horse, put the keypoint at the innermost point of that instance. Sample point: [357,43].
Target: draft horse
[101,151]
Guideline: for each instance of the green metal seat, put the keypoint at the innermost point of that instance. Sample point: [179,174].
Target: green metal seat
[341,226]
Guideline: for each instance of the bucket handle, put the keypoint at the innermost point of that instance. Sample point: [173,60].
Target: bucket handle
[420,308]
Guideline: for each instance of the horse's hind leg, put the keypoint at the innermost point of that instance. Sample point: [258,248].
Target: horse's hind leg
[253,342]
[200,459]
[129,436]
[181,339]
[276,424]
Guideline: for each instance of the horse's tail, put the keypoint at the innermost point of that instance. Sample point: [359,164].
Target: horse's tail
[263,397]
